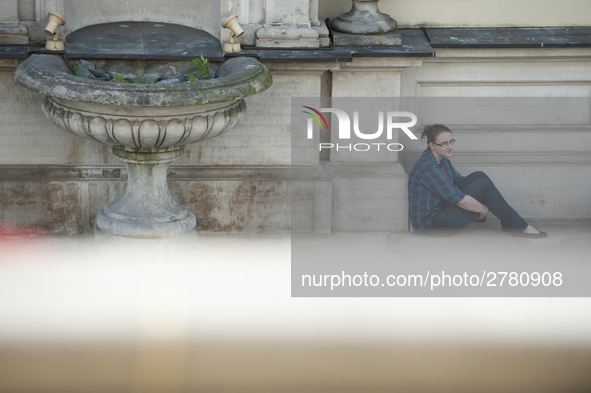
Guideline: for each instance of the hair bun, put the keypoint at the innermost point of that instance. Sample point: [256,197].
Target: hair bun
[431,131]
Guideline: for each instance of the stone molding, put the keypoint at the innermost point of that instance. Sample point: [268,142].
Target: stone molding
[513,55]
[176,173]
[13,34]
[144,131]
[11,31]
[480,83]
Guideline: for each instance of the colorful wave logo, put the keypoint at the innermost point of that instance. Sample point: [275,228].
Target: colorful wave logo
[316,117]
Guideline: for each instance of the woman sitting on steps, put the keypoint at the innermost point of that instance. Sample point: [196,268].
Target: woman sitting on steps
[443,202]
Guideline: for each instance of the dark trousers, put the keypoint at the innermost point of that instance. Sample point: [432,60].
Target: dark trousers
[452,219]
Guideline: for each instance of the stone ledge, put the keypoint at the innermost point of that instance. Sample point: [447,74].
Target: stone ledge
[14,52]
[415,43]
[560,37]
[175,173]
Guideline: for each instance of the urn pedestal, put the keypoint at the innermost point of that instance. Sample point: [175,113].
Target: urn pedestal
[365,25]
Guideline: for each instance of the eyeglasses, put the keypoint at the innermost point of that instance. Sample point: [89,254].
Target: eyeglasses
[446,144]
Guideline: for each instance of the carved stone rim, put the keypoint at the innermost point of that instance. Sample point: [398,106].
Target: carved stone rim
[236,78]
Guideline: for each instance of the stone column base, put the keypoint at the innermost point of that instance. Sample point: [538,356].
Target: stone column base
[287,37]
[14,34]
[323,34]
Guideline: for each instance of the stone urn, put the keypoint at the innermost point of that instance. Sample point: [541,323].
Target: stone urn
[148,127]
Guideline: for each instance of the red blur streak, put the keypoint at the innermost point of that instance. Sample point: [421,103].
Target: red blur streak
[9,229]
[15,236]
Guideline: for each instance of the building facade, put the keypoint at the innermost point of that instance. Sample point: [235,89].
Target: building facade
[244,183]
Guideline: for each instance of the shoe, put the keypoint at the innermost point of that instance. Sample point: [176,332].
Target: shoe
[530,235]
[506,229]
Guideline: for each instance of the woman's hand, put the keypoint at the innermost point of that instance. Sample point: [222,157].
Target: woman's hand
[481,215]
[472,205]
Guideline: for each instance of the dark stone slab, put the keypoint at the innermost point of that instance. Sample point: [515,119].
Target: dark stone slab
[13,52]
[246,52]
[567,37]
[161,41]
[142,40]
[286,55]
[41,50]
[304,56]
[121,40]
[414,44]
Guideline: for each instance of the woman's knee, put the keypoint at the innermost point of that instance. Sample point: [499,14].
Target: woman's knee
[477,188]
[478,175]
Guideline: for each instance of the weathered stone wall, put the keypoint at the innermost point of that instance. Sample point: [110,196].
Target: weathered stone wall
[481,13]
[202,14]
[28,138]
[538,157]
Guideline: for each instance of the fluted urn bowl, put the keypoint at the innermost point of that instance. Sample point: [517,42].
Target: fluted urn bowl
[148,126]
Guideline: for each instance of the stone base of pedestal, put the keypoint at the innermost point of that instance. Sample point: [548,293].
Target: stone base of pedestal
[146,210]
[134,228]
[185,238]
[13,34]
[343,39]
[323,33]
[278,37]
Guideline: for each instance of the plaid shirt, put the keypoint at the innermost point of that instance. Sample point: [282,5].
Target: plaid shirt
[429,185]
